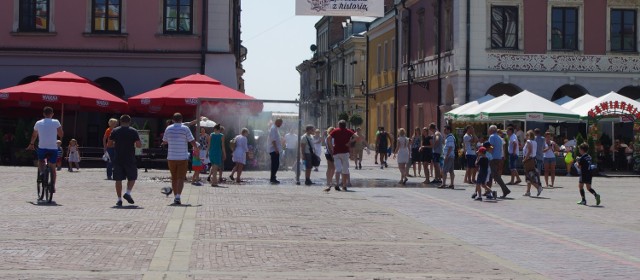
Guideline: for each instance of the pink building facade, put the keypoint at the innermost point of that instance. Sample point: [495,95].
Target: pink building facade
[125,46]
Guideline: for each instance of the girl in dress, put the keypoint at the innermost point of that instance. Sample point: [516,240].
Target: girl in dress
[217,154]
[416,157]
[73,155]
[402,154]
[240,153]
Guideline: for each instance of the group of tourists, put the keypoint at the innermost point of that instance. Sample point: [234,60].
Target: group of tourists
[432,151]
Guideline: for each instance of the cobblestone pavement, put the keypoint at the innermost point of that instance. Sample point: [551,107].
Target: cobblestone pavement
[377,230]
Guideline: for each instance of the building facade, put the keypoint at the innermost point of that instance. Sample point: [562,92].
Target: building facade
[126,47]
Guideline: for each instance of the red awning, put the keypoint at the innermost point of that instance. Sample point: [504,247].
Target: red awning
[62,88]
[182,96]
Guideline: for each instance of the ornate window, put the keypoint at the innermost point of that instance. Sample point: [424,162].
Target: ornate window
[504,27]
[34,16]
[564,28]
[106,16]
[178,17]
[623,30]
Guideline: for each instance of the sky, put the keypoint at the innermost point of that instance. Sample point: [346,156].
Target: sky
[277,41]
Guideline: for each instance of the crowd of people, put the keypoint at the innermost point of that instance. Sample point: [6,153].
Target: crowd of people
[427,151]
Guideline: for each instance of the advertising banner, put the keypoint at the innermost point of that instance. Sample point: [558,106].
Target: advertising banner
[368,8]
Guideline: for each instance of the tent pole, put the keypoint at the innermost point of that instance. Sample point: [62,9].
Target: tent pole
[62,116]
[298,164]
[613,140]
[75,123]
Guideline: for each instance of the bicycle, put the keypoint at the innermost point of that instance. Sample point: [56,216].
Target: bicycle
[45,182]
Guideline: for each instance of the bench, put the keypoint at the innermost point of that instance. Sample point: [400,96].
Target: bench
[91,155]
[153,156]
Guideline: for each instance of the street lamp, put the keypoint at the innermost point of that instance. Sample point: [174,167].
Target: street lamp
[365,92]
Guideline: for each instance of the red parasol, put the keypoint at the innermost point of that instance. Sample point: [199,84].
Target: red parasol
[182,96]
[65,89]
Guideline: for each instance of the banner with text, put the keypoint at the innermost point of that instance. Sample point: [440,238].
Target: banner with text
[368,8]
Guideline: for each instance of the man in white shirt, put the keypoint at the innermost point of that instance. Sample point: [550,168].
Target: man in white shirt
[514,151]
[177,136]
[275,146]
[470,140]
[47,130]
[291,147]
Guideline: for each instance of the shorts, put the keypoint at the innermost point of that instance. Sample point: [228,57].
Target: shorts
[382,150]
[125,171]
[197,167]
[448,165]
[328,157]
[342,163]
[308,161]
[436,158]
[471,161]
[550,160]
[178,168]
[50,154]
[426,156]
[586,179]
[415,155]
[482,178]
[513,158]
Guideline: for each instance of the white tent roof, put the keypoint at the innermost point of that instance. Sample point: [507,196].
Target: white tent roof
[475,111]
[465,107]
[528,106]
[563,100]
[612,97]
[578,101]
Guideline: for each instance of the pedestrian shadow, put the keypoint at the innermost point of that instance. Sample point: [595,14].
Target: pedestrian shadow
[219,186]
[540,197]
[184,205]
[490,200]
[132,207]
[596,206]
[42,203]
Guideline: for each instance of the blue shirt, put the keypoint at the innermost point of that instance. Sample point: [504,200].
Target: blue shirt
[496,142]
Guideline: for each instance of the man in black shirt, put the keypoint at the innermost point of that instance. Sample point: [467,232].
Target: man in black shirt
[126,139]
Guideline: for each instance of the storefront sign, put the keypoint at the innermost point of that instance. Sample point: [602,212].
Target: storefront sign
[614,108]
[370,8]
[535,117]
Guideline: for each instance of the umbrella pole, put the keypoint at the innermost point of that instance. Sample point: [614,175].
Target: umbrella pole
[298,167]
[62,116]
[75,123]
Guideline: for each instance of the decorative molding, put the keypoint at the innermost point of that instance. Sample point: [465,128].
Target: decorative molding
[564,63]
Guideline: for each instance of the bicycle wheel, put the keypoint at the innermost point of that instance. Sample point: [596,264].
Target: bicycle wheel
[47,180]
[41,186]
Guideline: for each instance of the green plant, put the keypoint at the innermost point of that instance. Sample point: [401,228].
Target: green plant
[356,120]
[592,150]
[343,116]
[579,139]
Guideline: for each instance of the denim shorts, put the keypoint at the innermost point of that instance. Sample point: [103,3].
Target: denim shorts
[550,160]
[50,154]
[513,158]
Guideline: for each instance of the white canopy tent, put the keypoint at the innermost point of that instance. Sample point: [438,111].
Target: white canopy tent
[583,110]
[474,113]
[578,101]
[527,106]
[468,106]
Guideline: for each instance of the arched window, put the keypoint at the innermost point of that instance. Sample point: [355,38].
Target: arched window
[502,88]
[29,79]
[111,85]
[573,91]
[632,92]
[168,82]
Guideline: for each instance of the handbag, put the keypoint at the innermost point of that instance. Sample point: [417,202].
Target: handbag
[315,159]
[106,157]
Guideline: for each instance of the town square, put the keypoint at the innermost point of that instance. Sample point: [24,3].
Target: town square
[317,139]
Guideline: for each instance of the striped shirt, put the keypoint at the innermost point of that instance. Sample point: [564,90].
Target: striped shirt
[178,136]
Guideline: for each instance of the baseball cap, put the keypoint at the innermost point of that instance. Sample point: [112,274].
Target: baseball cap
[482,150]
[487,145]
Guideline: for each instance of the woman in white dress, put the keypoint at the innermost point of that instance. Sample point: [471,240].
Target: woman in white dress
[402,154]
[240,153]
[317,145]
